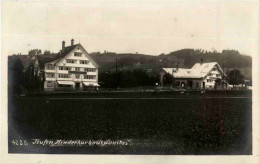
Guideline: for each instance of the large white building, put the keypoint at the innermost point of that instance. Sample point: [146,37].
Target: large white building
[73,68]
[200,76]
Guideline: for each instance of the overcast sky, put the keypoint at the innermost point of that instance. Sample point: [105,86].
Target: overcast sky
[145,27]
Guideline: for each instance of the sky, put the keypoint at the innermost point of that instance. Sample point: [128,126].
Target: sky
[146,27]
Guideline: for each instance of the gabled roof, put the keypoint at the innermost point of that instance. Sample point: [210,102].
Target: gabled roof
[204,68]
[67,50]
[181,73]
[90,58]
[197,71]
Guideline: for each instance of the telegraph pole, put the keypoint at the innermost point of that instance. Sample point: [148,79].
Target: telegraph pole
[223,80]
[116,64]
[117,81]
[172,78]
[30,83]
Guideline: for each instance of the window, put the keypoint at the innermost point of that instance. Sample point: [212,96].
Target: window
[197,84]
[49,83]
[50,67]
[90,69]
[77,76]
[89,77]
[71,61]
[84,61]
[209,80]
[77,68]
[64,75]
[218,75]
[79,54]
[178,83]
[210,74]
[50,75]
[65,68]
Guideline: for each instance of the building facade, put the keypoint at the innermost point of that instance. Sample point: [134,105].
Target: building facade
[200,76]
[72,69]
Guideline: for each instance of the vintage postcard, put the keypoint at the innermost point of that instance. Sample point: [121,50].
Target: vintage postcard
[130,82]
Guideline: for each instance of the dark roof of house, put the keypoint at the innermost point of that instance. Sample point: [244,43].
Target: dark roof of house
[65,52]
[42,59]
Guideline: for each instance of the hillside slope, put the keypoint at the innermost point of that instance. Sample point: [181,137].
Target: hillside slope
[185,58]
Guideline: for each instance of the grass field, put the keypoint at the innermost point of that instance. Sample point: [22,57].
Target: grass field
[187,124]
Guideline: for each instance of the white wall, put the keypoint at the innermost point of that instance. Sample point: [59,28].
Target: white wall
[77,64]
[71,56]
[64,63]
[212,77]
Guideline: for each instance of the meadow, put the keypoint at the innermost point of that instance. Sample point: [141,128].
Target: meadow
[162,123]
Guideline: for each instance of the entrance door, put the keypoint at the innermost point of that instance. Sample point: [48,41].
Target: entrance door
[182,84]
[190,84]
[77,86]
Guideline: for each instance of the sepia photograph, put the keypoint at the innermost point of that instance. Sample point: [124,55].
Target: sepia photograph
[129,77]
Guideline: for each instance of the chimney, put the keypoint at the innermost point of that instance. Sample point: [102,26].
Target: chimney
[63,45]
[201,61]
[72,42]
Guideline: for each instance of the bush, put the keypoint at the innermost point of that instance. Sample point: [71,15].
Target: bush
[125,79]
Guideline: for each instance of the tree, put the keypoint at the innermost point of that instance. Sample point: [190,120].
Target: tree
[127,78]
[167,79]
[218,83]
[33,82]
[47,53]
[235,77]
[15,75]
[34,52]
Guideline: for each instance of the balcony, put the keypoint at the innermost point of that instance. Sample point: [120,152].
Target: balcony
[69,79]
[215,72]
[50,79]
[77,72]
[92,80]
[49,70]
[63,71]
[91,73]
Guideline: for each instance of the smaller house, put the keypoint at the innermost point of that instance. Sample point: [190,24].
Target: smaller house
[200,76]
[39,64]
[36,61]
